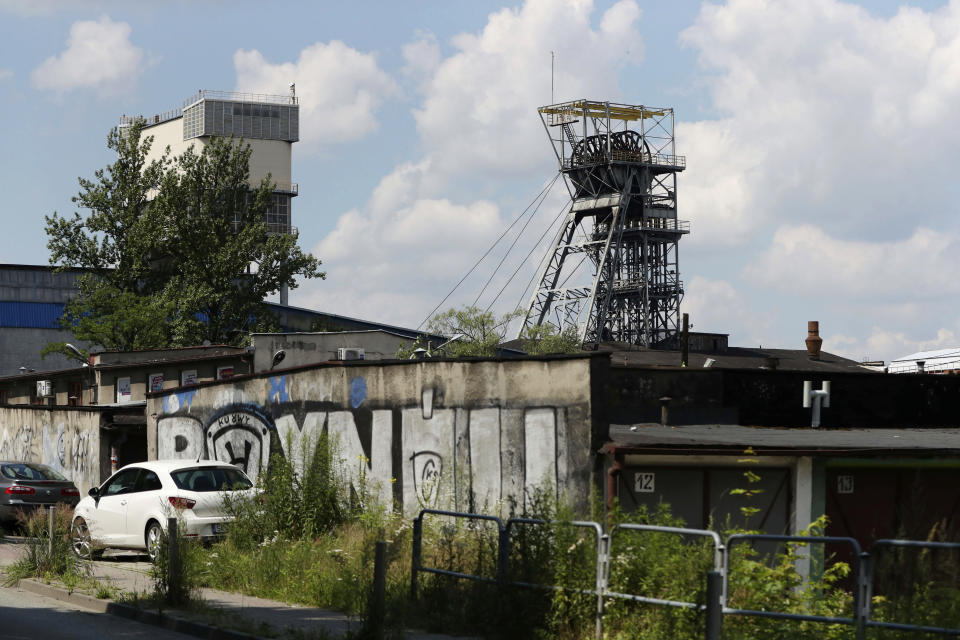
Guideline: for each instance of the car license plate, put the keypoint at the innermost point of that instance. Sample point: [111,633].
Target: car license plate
[220,528]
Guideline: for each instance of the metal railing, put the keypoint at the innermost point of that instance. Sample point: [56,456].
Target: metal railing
[855,619]
[657,159]
[286,187]
[717,579]
[235,96]
[157,118]
[503,557]
[869,564]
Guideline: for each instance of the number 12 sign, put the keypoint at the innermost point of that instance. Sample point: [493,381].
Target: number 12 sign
[643,482]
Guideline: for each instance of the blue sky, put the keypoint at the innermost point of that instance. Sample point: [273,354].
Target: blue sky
[819,137]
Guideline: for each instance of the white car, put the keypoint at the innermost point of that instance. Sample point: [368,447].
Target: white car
[130,510]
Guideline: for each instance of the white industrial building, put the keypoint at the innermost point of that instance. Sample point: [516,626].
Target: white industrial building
[938,361]
[270,124]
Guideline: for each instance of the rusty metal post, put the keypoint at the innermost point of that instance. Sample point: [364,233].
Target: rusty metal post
[50,526]
[714,610]
[173,562]
[503,555]
[378,605]
[415,561]
[685,341]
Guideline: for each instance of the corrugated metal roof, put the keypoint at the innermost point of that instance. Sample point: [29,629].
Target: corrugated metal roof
[30,315]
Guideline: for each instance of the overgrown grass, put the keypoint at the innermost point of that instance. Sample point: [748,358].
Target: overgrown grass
[48,557]
[310,540]
[183,588]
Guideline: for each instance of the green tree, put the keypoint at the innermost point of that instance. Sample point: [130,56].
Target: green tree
[177,250]
[114,242]
[543,339]
[221,259]
[473,332]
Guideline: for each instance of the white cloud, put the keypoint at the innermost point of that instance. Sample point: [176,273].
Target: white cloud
[339,87]
[882,344]
[421,59]
[808,261]
[828,114]
[387,261]
[99,55]
[394,258]
[717,306]
[478,110]
[6,74]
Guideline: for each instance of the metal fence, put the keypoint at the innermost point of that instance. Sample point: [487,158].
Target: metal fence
[717,580]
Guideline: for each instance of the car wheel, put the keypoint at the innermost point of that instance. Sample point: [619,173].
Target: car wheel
[154,539]
[82,542]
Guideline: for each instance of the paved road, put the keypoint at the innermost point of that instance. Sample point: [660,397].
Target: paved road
[26,616]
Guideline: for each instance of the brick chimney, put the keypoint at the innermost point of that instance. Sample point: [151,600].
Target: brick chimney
[814,341]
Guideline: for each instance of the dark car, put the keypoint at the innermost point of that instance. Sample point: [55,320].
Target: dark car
[28,485]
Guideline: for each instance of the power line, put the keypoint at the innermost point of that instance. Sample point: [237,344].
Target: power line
[512,245]
[477,263]
[522,262]
[545,255]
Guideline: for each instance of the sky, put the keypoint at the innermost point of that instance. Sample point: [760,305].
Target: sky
[819,137]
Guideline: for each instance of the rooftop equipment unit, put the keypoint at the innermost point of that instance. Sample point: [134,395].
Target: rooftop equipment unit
[349,353]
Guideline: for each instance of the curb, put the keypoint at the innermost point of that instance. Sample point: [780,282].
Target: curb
[165,619]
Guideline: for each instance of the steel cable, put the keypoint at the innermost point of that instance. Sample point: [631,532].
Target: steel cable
[548,186]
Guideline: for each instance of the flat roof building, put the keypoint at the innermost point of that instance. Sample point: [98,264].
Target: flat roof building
[270,124]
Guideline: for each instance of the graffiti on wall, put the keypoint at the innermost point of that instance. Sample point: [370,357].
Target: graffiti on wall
[69,449]
[442,457]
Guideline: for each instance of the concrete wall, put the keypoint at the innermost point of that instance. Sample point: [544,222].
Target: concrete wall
[310,348]
[470,435]
[67,440]
[268,156]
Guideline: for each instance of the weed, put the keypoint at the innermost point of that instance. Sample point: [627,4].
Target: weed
[182,585]
[48,557]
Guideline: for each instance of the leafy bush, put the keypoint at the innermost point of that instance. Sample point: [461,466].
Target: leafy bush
[298,500]
[917,586]
[311,541]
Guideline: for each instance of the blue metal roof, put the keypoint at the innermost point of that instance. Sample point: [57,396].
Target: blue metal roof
[30,315]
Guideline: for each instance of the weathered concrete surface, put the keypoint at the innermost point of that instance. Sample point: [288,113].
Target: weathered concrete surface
[463,434]
[67,440]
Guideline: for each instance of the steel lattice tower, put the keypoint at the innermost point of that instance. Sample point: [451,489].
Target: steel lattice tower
[620,167]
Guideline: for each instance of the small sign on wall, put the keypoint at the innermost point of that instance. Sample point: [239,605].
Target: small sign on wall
[188,377]
[155,380]
[643,482]
[123,390]
[224,373]
[844,484]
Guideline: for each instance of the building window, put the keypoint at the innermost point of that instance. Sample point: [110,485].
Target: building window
[277,215]
[75,394]
[243,120]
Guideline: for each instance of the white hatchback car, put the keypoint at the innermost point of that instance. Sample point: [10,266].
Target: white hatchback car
[130,510]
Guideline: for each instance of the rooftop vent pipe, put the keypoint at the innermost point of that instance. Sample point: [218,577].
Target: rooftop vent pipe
[815,398]
[814,341]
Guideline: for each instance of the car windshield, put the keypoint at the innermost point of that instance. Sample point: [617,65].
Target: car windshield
[29,471]
[211,479]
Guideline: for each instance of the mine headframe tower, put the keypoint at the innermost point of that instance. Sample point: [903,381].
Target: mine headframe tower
[620,166]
